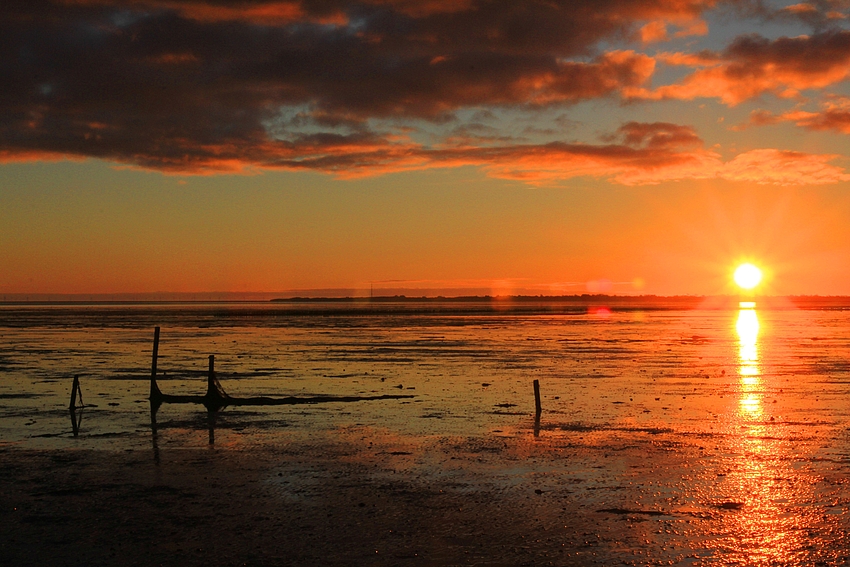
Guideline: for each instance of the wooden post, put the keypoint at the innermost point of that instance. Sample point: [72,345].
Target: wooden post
[76,392]
[75,389]
[212,399]
[155,351]
[155,394]
[215,398]
[537,407]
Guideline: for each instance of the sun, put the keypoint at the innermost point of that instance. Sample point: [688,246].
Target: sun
[747,276]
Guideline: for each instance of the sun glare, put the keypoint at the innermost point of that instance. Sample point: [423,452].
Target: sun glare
[747,276]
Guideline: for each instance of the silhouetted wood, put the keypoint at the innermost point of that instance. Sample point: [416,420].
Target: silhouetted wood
[537,406]
[75,385]
[75,391]
[155,393]
[287,401]
[264,401]
[216,398]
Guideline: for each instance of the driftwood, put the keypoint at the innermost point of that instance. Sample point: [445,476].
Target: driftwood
[216,398]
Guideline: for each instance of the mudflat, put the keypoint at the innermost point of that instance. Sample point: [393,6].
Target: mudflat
[703,437]
[365,496]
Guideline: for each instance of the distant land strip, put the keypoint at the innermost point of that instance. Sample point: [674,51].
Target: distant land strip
[473,304]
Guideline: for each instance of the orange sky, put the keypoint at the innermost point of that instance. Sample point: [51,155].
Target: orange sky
[637,147]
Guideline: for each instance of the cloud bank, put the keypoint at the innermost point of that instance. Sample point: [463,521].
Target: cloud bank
[207,86]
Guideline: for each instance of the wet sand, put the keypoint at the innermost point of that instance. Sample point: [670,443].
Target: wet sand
[670,437]
[363,496]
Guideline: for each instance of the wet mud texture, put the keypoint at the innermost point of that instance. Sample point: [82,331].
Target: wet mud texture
[360,499]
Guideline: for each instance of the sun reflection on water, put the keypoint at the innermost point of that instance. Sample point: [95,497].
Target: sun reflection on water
[748,362]
[765,524]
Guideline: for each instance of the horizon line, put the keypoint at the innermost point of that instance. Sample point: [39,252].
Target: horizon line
[301,295]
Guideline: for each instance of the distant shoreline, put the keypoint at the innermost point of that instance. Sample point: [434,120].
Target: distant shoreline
[496,303]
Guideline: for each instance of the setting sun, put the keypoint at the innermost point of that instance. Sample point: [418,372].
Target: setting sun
[747,276]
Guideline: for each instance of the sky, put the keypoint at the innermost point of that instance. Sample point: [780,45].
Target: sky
[433,146]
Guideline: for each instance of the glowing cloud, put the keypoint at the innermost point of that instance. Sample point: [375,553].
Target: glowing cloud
[753,65]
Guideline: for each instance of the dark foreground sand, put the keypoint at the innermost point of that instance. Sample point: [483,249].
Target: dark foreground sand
[363,498]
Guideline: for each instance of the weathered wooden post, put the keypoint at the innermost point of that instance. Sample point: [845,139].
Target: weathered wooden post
[537,406]
[156,394]
[75,390]
[211,389]
[214,399]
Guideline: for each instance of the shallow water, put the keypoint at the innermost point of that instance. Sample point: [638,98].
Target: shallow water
[687,372]
[716,436]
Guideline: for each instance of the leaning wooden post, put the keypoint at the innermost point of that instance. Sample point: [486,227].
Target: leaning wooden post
[75,389]
[156,394]
[537,407]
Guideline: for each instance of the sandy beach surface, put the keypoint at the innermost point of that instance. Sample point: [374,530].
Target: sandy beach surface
[362,496]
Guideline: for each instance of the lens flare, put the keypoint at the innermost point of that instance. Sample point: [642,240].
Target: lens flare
[747,276]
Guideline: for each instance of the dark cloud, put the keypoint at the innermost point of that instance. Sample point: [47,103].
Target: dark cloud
[534,163]
[834,115]
[658,135]
[197,84]
[834,119]
[336,86]
[753,65]
[819,14]
[750,56]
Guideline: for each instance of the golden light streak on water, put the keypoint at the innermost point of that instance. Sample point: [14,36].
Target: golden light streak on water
[762,490]
[748,369]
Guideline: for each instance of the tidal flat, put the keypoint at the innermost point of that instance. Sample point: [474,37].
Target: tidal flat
[668,435]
